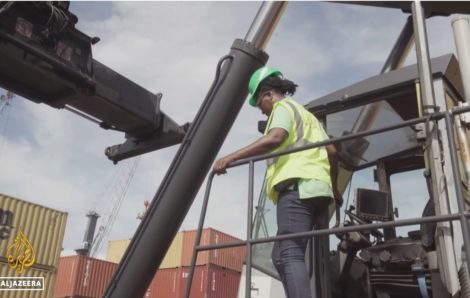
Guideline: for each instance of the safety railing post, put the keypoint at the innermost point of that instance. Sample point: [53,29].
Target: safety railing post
[249,229]
[458,185]
[199,233]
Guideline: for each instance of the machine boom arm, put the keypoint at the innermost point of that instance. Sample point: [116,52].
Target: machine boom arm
[50,61]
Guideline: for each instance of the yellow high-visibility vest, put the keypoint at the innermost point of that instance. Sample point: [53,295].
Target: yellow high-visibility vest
[307,164]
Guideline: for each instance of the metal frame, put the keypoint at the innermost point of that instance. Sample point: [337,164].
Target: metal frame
[445,242]
[462,215]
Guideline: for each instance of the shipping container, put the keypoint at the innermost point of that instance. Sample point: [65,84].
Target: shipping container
[210,281]
[43,227]
[231,258]
[165,283]
[34,234]
[174,254]
[117,248]
[82,276]
[49,277]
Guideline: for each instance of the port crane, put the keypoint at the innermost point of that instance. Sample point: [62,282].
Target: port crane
[39,40]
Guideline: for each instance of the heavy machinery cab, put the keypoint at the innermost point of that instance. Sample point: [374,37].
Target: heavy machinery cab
[384,264]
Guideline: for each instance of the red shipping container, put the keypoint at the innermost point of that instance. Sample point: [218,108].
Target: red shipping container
[165,283]
[231,258]
[209,281]
[81,276]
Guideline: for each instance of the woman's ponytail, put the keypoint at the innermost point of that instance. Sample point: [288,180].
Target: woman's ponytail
[282,86]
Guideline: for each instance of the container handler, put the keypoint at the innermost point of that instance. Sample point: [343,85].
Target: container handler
[44,58]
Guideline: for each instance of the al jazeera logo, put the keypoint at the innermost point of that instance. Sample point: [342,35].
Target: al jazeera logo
[20,256]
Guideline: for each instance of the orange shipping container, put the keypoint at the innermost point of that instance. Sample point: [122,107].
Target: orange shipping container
[231,258]
[210,281]
[81,276]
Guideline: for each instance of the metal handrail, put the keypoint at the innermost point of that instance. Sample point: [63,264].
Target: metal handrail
[340,230]
[462,215]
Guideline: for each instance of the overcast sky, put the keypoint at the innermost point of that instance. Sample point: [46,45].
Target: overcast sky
[55,158]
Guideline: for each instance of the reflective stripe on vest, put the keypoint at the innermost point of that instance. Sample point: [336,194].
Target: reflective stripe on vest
[300,142]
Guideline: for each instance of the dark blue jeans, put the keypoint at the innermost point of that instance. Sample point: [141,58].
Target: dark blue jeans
[299,215]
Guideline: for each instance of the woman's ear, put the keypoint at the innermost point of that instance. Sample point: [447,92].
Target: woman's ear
[271,95]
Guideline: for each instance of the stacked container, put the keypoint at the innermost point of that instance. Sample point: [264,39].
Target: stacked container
[83,277]
[209,281]
[117,248]
[231,258]
[173,255]
[217,272]
[44,230]
[181,250]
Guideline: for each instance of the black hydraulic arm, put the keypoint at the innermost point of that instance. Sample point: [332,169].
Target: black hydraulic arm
[193,160]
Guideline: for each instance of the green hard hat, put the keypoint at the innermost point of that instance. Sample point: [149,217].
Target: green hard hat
[256,79]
